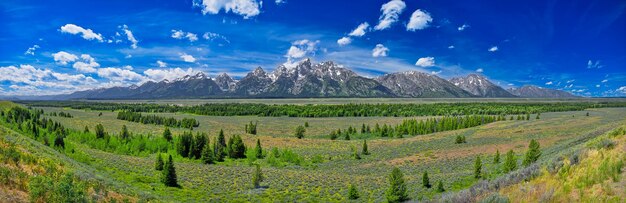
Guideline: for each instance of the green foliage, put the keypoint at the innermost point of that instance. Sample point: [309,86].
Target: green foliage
[158,165]
[510,162]
[86,130]
[257,176]
[533,153]
[124,134]
[496,158]
[167,134]
[440,187]
[251,128]
[169,173]
[364,151]
[157,120]
[258,150]
[306,124]
[184,144]
[100,131]
[353,193]
[236,147]
[208,156]
[300,130]
[426,180]
[460,139]
[355,154]
[397,187]
[478,166]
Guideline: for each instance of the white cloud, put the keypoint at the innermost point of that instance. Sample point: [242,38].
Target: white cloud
[245,8]
[597,85]
[280,2]
[549,83]
[425,62]
[451,47]
[344,41]
[28,80]
[605,80]
[360,30]
[570,81]
[119,74]
[88,65]
[87,34]
[479,70]
[63,58]
[463,27]
[591,64]
[493,49]
[435,72]
[301,48]
[179,34]
[419,20]
[380,51]
[130,36]
[31,50]
[187,58]
[569,86]
[162,64]
[622,90]
[169,74]
[390,13]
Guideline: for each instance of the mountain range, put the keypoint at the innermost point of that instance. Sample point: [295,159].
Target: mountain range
[309,80]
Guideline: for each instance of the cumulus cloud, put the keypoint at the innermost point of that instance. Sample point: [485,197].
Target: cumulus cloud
[622,90]
[31,50]
[63,58]
[87,34]
[161,64]
[493,49]
[480,70]
[591,64]
[119,74]
[425,62]
[245,8]
[87,65]
[169,74]
[604,81]
[28,80]
[301,48]
[463,27]
[549,83]
[187,58]
[179,34]
[360,30]
[419,20]
[390,13]
[380,50]
[344,41]
[130,36]
[451,47]
[280,2]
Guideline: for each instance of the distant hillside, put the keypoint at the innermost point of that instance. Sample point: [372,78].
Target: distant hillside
[531,91]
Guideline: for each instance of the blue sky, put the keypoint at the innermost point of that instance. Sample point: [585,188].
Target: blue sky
[51,47]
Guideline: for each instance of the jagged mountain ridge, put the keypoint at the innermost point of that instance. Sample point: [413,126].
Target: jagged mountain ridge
[480,86]
[306,79]
[531,91]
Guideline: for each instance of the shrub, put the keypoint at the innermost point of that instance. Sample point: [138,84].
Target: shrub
[533,153]
[353,193]
[300,130]
[397,187]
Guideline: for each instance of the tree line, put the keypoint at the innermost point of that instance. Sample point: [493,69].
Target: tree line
[340,110]
[157,120]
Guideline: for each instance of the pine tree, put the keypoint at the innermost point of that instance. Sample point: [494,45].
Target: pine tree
[257,177]
[440,187]
[159,163]
[397,187]
[355,154]
[425,180]
[353,193]
[258,150]
[527,116]
[587,113]
[537,117]
[167,134]
[218,151]
[346,136]
[99,131]
[236,147]
[496,159]
[124,134]
[365,151]
[306,124]
[207,153]
[510,163]
[169,173]
[478,165]
[86,130]
[533,153]
[300,132]
[363,129]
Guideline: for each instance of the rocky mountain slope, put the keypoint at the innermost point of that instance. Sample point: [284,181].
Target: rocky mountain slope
[480,86]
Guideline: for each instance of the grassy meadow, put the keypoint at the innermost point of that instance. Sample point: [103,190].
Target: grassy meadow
[325,167]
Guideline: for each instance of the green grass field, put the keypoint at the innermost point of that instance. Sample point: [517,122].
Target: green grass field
[328,166]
